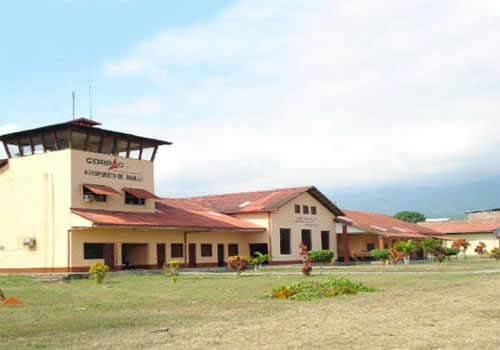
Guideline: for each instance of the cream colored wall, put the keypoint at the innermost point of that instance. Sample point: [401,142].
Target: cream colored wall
[123,235]
[215,238]
[34,202]
[286,218]
[474,239]
[261,219]
[138,169]
[359,241]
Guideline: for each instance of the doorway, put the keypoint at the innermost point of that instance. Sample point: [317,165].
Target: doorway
[108,252]
[134,256]
[160,255]
[192,254]
[220,254]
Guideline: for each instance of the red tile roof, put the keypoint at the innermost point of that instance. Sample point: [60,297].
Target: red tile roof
[258,201]
[141,193]
[387,226]
[168,216]
[461,227]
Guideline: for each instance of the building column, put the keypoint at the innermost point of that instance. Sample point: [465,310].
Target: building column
[345,243]
[380,242]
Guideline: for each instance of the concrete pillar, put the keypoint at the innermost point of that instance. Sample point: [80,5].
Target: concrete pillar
[345,243]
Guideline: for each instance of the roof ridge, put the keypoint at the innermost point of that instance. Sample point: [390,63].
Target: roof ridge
[248,192]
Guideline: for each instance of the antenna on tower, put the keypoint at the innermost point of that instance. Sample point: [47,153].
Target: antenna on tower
[90,97]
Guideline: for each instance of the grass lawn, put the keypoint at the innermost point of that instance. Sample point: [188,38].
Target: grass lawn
[436,308]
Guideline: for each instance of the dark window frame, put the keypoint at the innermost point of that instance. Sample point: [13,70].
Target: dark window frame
[231,248]
[313,210]
[368,245]
[325,240]
[297,208]
[93,251]
[285,241]
[206,249]
[133,200]
[305,209]
[306,236]
[97,197]
[176,250]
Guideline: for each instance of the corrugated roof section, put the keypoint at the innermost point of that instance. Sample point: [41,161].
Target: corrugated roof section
[101,189]
[461,227]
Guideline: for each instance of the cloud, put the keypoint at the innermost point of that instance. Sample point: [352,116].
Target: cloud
[331,94]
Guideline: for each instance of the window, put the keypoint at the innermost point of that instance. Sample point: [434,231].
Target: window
[88,195]
[176,250]
[297,209]
[206,250]
[93,251]
[305,209]
[306,239]
[325,240]
[370,247]
[285,240]
[131,199]
[313,210]
[232,249]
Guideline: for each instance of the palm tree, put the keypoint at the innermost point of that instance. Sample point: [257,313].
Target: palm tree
[429,243]
[407,247]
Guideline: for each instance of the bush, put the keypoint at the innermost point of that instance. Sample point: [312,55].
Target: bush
[321,256]
[495,253]
[258,260]
[461,243]
[395,256]
[439,253]
[449,252]
[481,248]
[98,271]
[309,290]
[356,255]
[237,263]
[171,269]
[407,247]
[306,260]
[380,254]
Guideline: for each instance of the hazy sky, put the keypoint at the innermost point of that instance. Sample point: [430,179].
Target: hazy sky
[268,94]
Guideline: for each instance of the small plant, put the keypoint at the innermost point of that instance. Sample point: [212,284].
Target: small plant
[395,256]
[356,255]
[306,260]
[321,256]
[439,253]
[429,243]
[481,248]
[449,252]
[171,269]
[258,260]
[237,263]
[310,290]
[381,254]
[461,243]
[98,271]
[333,262]
[495,253]
[407,247]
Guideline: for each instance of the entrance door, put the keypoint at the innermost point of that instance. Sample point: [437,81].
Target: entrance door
[160,254]
[258,247]
[192,255]
[220,254]
[108,251]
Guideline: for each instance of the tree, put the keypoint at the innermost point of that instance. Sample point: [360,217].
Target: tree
[410,216]
[395,256]
[428,244]
[321,256]
[439,253]
[407,247]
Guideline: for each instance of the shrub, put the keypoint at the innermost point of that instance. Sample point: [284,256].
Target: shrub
[395,256]
[449,252]
[321,256]
[237,263]
[356,255]
[429,243]
[380,254]
[481,248]
[258,260]
[306,260]
[439,253]
[171,269]
[98,271]
[310,290]
[495,253]
[461,243]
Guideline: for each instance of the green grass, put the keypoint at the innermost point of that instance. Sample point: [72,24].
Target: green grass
[436,308]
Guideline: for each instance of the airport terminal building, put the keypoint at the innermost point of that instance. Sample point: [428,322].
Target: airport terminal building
[73,194]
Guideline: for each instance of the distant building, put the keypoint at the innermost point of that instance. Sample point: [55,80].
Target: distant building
[481,226]
[365,231]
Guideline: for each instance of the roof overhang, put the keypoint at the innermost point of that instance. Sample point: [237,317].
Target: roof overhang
[101,189]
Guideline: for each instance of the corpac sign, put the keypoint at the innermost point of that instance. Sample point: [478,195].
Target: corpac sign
[114,170]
